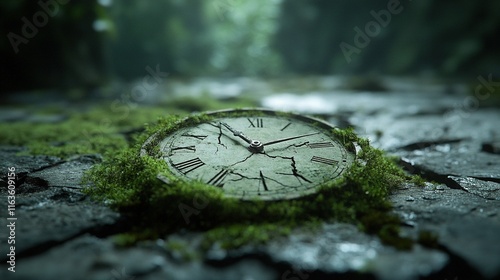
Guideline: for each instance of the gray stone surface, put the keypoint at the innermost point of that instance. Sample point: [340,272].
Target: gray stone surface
[455,163]
[67,174]
[436,132]
[484,189]
[340,248]
[467,225]
[87,257]
[49,207]
[10,115]
[46,223]
[23,164]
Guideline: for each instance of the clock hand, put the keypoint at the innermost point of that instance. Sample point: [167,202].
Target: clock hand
[237,133]
[289,138]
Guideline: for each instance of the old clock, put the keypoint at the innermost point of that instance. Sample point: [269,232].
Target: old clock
[255,153]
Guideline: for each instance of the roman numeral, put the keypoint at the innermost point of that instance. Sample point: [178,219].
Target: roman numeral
[320,145]
[286,126]
[256,123]
[324,160]
[218,178]
[189,165]
[199,137]
[188,148]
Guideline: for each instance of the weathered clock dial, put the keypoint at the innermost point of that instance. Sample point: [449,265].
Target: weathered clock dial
[257,154]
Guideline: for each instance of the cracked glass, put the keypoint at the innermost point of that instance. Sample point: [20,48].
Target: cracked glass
[264,155]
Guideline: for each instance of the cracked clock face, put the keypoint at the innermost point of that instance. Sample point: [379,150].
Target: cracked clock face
[257,154]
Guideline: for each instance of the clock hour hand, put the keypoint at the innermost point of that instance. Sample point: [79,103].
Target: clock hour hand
[289,138]
[237,133]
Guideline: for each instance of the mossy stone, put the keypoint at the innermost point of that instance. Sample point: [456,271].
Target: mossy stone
[130,184]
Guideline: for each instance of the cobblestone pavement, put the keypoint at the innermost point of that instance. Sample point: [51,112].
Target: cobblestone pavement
[435,130]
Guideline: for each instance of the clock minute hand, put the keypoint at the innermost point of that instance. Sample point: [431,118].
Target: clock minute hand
[289,138]
[237,133]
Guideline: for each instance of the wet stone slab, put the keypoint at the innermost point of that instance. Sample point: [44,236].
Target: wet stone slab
[45,224]
[475,172]
[466,224]
[482,188]
[408,131]
[341,249]
[455,163]
[49,206]
[24,164]
[67,174]
[89,257]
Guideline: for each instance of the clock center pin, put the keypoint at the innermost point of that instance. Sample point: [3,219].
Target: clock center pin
[256,146]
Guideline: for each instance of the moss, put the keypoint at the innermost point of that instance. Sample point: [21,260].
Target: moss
[238,235]
[386,226]
[428,239]
[182,250]
[129,183]
[124,239]
[418,180]
[98,130]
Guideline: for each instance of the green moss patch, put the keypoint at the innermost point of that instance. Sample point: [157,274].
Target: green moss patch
[129,183]
[97,130]
[100,129]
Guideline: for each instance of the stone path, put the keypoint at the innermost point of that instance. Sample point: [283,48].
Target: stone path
[435,130]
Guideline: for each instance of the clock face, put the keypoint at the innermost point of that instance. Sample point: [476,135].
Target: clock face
[257,154]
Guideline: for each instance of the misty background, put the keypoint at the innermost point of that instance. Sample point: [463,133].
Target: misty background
[77,43]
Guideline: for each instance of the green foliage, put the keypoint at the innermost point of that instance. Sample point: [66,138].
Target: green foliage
[130,184]
[241,34]
[463,40]
[195,37]
[182,249]
[237,235]
[418,180]
[98,130]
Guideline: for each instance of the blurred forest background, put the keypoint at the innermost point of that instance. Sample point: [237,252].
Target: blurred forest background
[83,43]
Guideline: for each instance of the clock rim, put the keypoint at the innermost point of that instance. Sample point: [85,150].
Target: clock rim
[184,122]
